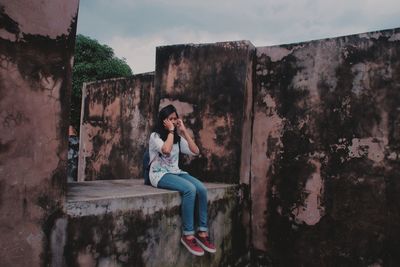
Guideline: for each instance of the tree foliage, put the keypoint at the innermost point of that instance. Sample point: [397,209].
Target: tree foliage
[93,61]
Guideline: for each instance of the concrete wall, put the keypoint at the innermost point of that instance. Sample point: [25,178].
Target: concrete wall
[309,130]
[117,119]
[143,228]
[211,87]
[320,163]
[36,46]
[325,152]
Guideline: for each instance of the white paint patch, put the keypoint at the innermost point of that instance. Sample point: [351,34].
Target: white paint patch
[395,37]
[372,147]
[183,108]
[311,212]
[269,101]
[276,53]
[7,35]
[374,35]
[393,156]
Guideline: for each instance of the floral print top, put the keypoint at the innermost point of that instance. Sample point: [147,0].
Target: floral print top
[165,163]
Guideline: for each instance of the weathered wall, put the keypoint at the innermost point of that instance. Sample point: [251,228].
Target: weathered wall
[117,119]
[36,51]
[211,87]
[145,230]
[326,153]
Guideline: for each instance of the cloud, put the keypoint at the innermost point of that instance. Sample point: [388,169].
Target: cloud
[140,51]
[134,28]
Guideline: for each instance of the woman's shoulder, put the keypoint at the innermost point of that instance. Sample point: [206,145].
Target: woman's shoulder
[154,135]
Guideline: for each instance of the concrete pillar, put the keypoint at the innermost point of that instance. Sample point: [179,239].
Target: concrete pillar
[211,87]
[36,47]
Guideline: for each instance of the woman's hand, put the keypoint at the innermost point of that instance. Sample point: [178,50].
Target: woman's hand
[168,125]
[167,146]
[181,127]
[183,132]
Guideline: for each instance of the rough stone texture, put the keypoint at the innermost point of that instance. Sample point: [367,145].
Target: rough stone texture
[324,150]
[138,225]
[117,119]
[211,86]
[326,153]
[36,51]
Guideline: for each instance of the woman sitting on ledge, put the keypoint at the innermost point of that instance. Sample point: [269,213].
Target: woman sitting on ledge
[170,138]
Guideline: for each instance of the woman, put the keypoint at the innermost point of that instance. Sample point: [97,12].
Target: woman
[170,138]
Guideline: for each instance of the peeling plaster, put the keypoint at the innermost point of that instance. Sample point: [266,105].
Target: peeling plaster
[208,136]
[275,53]
[267,126]
[395,37]
[183,108]
[373,35]
[372,147]
[393,156]
[311,211]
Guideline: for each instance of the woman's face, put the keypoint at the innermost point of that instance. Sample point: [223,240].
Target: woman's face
[173,118]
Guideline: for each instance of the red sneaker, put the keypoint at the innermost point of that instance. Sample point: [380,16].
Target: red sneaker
[192,246]
[205,243]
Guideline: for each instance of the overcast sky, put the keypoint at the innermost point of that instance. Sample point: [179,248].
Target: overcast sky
[134,28]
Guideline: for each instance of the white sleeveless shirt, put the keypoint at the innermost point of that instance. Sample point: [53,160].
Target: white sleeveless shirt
[163,163]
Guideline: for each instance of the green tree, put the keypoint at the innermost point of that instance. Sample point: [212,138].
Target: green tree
[93,61]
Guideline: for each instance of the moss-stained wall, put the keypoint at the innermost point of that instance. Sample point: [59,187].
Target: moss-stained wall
[148,232]
[36,50]
[211,86]
[315,145]
[117,118]
[326,152]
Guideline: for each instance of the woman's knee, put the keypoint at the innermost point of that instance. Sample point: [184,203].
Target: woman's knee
[190,190]
[201,190]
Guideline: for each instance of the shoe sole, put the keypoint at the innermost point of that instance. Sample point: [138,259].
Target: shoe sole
[192,251]
[205,247]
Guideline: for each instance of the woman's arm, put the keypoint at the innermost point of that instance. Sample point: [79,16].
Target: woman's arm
[167,147]
[184,132]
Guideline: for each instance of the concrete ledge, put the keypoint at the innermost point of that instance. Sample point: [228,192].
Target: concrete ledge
[125,223]
[107,196]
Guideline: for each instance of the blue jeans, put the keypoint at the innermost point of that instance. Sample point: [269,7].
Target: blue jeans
[188,187]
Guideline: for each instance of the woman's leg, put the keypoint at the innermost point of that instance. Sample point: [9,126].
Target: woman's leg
[201,191]
[188,192]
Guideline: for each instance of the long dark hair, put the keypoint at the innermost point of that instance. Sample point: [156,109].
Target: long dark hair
[160,129]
